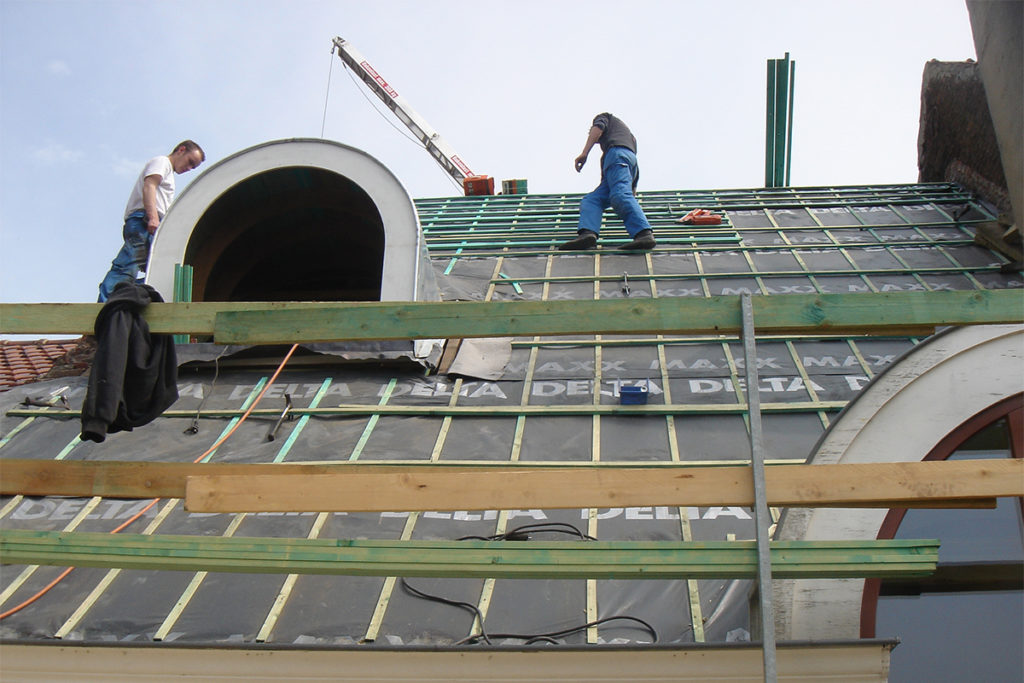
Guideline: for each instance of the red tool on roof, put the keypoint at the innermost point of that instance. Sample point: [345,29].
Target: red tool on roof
[701,217]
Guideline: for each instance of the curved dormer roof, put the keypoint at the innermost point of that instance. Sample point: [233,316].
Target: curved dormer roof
[295,220]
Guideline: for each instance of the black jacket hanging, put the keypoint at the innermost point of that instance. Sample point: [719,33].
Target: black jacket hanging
[134,375]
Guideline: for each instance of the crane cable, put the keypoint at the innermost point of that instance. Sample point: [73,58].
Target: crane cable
[327,96]
[149,507]
[376,109]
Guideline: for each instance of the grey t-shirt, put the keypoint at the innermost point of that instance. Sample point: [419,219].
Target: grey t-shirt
[616,133]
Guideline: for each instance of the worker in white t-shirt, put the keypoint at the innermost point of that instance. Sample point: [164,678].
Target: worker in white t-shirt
[147,204]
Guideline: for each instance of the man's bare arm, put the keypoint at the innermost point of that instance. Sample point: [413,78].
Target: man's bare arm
[592,138]
[149,186]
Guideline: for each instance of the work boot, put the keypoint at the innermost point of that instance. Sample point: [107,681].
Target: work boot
[587,240]
[643,241]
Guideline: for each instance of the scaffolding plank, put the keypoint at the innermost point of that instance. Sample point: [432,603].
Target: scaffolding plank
[473,559]
[893,312]
[912,313]
[445,487]
[135,479]
[878,484]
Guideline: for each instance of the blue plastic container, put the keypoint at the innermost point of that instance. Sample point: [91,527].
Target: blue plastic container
[632,396]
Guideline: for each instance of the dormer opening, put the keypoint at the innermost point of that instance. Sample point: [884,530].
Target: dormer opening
[294,220]
[289,234]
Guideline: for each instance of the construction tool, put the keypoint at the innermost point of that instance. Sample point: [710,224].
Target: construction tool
[701,217]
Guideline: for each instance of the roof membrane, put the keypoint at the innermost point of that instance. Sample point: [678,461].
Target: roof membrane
[770,243]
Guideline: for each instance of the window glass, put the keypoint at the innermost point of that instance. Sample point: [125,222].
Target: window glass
[954,636]
[975,635]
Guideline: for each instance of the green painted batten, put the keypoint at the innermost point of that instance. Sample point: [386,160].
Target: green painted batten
[290,322]
[650,409]
[471,559]
[906,312]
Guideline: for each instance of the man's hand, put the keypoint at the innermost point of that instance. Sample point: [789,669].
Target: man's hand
[592,137]
[152,223]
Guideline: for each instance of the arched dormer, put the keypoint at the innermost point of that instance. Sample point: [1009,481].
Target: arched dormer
[295,220]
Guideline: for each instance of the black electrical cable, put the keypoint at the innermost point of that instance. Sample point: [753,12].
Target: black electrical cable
[455,603]
[532,637]
[521,533]
[541,639]
[529,638]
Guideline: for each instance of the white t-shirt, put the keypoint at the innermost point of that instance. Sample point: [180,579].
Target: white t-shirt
[160,166]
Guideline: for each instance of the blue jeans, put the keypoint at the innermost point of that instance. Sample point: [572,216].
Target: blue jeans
[619,172]
[132,257]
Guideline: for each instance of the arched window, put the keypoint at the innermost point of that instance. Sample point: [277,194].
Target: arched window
[965,622]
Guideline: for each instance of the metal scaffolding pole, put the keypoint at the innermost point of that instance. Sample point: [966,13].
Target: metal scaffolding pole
[762,517]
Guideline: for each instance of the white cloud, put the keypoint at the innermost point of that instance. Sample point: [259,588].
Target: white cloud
[54,153]
[58,67]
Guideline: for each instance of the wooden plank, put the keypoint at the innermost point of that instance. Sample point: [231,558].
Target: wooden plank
[132,479]
[289,322]
[66,660]
[875,484]
[165,318]
[893,313]
[473,559]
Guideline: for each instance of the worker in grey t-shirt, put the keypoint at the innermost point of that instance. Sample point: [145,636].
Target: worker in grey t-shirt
[619,175]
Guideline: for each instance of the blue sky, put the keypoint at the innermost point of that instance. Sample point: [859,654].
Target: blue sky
[90,89]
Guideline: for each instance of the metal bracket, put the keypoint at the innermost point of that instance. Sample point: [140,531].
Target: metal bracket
[285,415]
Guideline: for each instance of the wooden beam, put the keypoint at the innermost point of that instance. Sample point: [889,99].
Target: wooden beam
[128,479]
[470,559]
[165,318]
[904,313]
[876,484]
[290,322]
[934,484]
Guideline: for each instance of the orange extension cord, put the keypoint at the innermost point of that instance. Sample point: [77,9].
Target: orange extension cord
[144,510]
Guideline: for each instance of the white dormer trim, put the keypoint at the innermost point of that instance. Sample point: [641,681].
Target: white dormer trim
[403,239]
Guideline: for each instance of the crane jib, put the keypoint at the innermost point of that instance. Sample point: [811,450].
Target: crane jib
[377,77]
